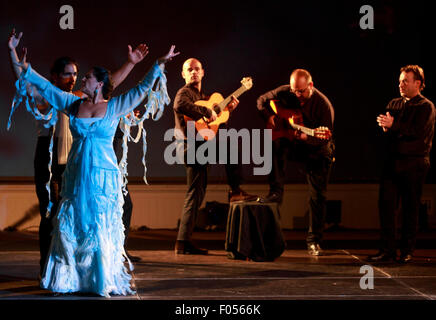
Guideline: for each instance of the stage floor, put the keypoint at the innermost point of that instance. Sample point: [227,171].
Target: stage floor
[161,275]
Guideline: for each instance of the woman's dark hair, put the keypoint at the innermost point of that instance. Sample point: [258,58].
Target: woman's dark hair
[59,65]
[105,76]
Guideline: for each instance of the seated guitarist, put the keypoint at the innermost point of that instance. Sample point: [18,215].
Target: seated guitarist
[184,105]
[315,110]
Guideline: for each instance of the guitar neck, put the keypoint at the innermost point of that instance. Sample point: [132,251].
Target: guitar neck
[308,131]
[222,105]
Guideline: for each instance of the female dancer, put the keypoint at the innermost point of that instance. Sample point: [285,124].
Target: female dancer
[87,251]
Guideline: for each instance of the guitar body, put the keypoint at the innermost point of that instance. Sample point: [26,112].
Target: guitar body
[217,103]
[222,117]
[282,127]
[288,121]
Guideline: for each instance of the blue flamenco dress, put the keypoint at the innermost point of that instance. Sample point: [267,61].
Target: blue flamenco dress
[87,249]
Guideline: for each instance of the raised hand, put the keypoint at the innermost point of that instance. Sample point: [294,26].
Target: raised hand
[23,62]
[138,54]
[169,56]
[14,40]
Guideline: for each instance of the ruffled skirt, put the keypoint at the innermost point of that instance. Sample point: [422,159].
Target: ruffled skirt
[87,249]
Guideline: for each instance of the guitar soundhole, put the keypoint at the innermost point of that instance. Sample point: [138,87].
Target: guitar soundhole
[217,109]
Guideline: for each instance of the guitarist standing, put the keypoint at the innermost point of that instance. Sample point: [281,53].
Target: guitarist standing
[315,110]
[184,106]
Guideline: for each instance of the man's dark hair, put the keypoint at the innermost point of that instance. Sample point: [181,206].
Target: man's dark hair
[104,75]
[59,65]
[418,73]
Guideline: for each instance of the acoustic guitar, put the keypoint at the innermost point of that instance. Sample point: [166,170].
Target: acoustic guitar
[217,103]
[289,121]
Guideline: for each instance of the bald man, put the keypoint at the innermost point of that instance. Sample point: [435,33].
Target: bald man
[184,105]
[315,154]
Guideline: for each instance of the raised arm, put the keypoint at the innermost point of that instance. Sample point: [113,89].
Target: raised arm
[131,99]
[13,43]
[56,97]
[133,57]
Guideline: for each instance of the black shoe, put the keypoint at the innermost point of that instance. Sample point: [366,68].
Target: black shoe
[187,247]
[405,258]
[314,249]
[273,197]
[133,258]
[382,256]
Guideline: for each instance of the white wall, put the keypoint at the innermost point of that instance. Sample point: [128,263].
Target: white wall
[160,205]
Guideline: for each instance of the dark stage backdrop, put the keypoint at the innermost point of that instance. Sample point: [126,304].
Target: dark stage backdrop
[357,69]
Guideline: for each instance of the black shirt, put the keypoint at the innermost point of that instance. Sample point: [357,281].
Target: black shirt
[184,105]
[412,131]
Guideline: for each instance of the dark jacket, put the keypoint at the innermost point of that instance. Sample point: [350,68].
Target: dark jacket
[411,134]
[184,105]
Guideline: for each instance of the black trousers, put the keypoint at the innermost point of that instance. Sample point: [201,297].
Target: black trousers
[196,178]
[42,176]
[401,183]
[127,215]
[317,170]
